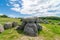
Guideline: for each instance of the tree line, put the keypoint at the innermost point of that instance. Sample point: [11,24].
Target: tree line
[51,17]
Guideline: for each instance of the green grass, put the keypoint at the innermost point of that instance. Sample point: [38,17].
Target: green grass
[49,31]
[4,20]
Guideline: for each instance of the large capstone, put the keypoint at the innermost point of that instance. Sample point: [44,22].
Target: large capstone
[31,29]
[1,28]
[28,20]
[7,25]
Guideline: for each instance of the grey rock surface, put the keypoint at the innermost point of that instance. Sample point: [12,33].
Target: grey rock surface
[1,28]
[7,25]
[46,22]
[39,27]
[20,27]
[14,24]
[31,29]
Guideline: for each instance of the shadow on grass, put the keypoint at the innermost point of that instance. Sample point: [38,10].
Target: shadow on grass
[20,31]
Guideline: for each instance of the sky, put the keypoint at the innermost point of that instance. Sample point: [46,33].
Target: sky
[30,8]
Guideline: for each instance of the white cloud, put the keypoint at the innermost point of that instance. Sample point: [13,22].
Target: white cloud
[14,5]
[36,7]
[45,14]
[16,9]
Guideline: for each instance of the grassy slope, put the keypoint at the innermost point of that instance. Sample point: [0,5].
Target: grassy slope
[49,32]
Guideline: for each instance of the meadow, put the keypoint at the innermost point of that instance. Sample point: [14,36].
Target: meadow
[49,31]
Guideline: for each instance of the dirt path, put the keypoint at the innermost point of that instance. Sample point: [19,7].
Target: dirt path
[31,38]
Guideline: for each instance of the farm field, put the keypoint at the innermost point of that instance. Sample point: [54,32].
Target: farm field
[49,31]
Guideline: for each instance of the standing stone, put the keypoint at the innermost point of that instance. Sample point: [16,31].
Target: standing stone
[31,29]
[14,24]
[21,27]
[7,25]
[1,28]
[39,27]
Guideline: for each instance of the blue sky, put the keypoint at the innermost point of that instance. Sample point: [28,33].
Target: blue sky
[28,8]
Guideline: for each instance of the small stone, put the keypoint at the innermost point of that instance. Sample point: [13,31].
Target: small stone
[46,22]
[21,27]
[1,28]
[14,24]
[7,25]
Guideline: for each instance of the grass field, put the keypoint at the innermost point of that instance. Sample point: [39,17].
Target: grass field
[49,32]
